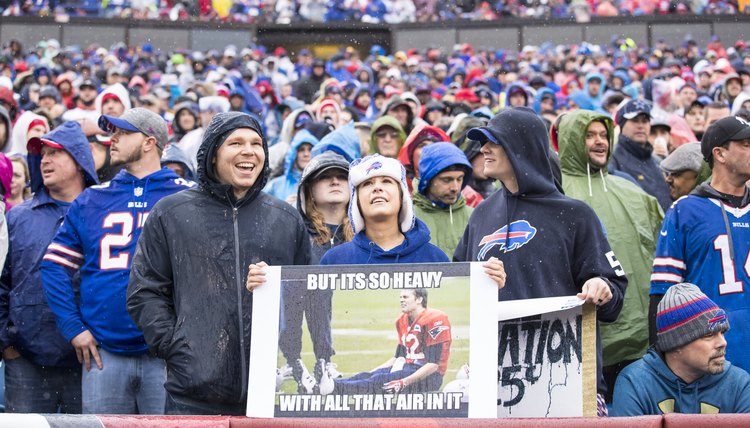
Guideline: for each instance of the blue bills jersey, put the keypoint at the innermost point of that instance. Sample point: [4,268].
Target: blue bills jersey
[695,246]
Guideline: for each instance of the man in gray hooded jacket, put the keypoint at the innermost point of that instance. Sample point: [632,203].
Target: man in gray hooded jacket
[181,265]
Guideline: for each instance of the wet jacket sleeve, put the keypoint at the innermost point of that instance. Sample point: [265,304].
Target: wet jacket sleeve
[62,260]
[595,258]
[150,288]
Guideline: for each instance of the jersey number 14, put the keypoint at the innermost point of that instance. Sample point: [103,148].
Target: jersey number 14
[730,283]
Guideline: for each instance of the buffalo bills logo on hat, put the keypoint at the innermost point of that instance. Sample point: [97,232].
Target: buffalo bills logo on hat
[719,320]
[517,235]
[741,120]
[373,166]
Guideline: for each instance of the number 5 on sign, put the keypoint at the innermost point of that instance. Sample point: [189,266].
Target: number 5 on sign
[111,241]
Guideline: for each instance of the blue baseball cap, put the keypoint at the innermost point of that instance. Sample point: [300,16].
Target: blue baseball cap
[631,109]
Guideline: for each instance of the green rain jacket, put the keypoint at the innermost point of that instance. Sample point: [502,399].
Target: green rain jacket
[632,220]
[446,224]
[386,121]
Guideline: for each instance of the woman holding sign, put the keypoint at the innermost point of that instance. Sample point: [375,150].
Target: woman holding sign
[386,231]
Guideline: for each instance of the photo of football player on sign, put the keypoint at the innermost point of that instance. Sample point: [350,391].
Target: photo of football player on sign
[420,360]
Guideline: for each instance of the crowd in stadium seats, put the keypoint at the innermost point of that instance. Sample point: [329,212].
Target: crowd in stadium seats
[652,140]
[370,11]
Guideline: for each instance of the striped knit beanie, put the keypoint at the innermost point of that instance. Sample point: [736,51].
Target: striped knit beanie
[686,314]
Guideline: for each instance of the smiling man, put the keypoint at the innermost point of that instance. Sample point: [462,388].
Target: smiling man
[684,169]
[585,141]
[195,249]
[97,240]
[634,155]
[687,371]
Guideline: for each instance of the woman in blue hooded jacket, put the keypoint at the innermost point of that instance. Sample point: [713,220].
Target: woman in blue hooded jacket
[285,187]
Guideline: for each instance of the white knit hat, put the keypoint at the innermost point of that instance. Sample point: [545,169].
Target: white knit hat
[379,166]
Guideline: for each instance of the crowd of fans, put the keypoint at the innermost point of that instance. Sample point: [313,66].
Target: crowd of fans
[615,126]
[371,11]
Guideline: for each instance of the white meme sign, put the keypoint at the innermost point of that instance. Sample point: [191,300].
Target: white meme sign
[407,340]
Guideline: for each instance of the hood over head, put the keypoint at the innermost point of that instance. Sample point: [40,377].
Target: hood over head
[25,121]
[303,136]
[523,136]
[343,141]
[70,137]
[174,154]
[571,140]
[436,158]
[594,75]
[386,121]
[220,127]
[190,107]
[737,104]
[540,95]
[421,133]
[516,88]
[396,101]
[116,90]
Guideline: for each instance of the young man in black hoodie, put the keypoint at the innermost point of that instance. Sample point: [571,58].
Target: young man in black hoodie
[186,288]
[550,245]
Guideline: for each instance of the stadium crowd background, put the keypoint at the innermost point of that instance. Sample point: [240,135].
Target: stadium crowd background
[371,11]
[442,85]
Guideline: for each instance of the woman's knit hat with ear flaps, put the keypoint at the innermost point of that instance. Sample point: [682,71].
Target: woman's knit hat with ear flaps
[379,166]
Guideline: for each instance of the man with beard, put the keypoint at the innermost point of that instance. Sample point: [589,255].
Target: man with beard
[97,241]
[85,102]
[686,372]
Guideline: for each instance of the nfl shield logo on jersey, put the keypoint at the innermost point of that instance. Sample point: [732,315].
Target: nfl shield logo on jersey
[138,192]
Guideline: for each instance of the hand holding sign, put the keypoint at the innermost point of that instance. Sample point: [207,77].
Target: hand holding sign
[256,276]
[596,291]
[495,269]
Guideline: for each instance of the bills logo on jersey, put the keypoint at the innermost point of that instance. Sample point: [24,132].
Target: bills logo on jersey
[138,192]
[434,332]
[517,235]
[373,166]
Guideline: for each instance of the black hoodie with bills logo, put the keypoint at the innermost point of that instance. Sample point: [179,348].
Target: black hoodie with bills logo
[555,243]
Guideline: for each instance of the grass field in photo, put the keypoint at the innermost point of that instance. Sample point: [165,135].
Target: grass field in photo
[364,331]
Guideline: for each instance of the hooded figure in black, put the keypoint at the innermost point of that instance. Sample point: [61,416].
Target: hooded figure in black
[551,245]
[187,285]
